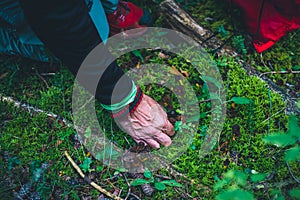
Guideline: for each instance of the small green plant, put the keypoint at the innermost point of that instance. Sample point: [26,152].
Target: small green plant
[222,31]
[288,139]
[85,166]
[237,184]
[159,185]
[239,43]
[232,185]
[291,139]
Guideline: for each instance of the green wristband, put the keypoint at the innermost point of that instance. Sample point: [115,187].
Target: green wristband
[127,100]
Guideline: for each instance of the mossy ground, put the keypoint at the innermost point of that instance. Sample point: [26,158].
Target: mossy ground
[28,141]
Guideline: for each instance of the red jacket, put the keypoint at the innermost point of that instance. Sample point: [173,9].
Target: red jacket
[268,20]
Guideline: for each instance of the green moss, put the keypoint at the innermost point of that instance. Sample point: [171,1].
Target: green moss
[31,138]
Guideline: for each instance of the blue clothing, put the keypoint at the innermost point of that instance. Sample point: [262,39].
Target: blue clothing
[17,37]
[70,30]
[109,5]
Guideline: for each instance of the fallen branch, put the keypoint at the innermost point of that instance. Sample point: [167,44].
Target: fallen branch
[86,178]
[42,78]
[280,72]
[32,109]
[179,20]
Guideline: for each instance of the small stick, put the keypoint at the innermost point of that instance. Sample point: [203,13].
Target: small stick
[32,109]
[272,115]
[280,72]
[84,105]
[162,176]
[42,78]
[135,196]
[292,173]
[47,74]
[100,189]
[129,190]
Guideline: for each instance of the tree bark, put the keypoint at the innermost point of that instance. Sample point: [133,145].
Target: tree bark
[181,21]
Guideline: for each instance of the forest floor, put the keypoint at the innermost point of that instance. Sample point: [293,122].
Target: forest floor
[249,159]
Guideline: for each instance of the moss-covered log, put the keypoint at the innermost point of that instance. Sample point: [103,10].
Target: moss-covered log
[181,21]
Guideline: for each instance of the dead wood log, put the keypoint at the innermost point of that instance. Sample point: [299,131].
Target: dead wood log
[181,21]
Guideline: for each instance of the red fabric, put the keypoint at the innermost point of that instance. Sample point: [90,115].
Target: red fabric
[278,18]
[125,17]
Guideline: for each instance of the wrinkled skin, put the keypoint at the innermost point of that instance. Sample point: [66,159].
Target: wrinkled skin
[148,124]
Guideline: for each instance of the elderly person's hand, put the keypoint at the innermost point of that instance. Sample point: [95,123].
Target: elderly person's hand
[147,123]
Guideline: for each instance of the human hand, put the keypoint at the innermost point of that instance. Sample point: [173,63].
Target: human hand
[148,124]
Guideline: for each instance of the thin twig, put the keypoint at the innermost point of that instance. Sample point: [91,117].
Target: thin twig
[120,192]
[111,178]
[292,173]
[47,74]
[134,195]
[42,78]
[129,190]
[100,189]
[162,176]
[183,194]
[32,110]
[88,101]
[273,115]
[128,194]
[280,72]
[127,141]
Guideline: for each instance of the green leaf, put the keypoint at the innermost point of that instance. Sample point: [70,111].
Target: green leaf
[212,80]
[172,183]
[222,31]
[139,181]
[159,186]
[99,168]
[119,170]
[258,177]
[193,147]
[74,195]
[88,132]
[277,195]
[295,193]
[279,139]
[85,166]
[179,111]
[298,103]
[292,154]
[107,153]
[213,95]
[178,125]
[240,100]
[220,184]
[235,194]
[294,129]
[147,174]
[296,67]
[138,54]
[239,177]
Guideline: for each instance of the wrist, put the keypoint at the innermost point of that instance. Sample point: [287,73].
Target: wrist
[126,101]
[129,108]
